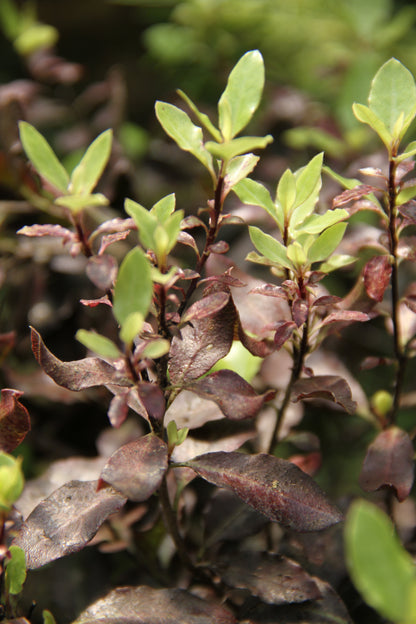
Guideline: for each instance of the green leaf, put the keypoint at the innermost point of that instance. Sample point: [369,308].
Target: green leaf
[164,207]
[337,261]
[98,343]
[86,175]
[393,92]
[177,124]
[308,186]
[326,243]
[228,150]
[409,151]
[286,192]
[315,224]
[347,183]
[242,94]
[202,118]
[145,221]
[11,480]
[381,569]
[15,574]
[133,289]
[238,169]
[296,254]
[269,247]
[407,193]
[76,203]
[42,157]
[369,117]
[241,361]
[156,348]
[253,193]
[172,228]
[131,326]
[48,617]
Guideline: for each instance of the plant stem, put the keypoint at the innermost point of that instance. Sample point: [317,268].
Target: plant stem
[211,236]
[169,517]
[401,359]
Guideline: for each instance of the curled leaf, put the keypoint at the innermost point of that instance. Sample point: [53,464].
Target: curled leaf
[329,387]
[14,420]
[377,274]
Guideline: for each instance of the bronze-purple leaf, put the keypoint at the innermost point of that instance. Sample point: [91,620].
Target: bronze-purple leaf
[153,400]
[389,463]
[14,420]
[353,194]
[377,274]
[136,469]
[66,521]
[48,230]
[274,579]
[146,605]
[75,375]
[283,332]
[235,397]
[102,271]
[345,316]
[200,345]
[300,311]
[273,486]
[206,307]
[330,387]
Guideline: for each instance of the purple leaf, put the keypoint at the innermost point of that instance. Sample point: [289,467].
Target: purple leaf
[153,400]
[49,230]
[66,521]
[102,271]
[345,316]
[270,290]
[206,307]
[408,211]
[329,387]
[227,517]
[14,420]
[283,333]
[377,274]
[220,247]
[201,345]
[273,486]
[327,300]
[137,468]
[235,397]
[389,463]
[75,375]
[274,579]
[109,239]
[353,194]
[146,605]
[300,311]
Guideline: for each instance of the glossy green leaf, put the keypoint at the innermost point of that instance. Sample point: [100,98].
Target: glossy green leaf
[409,151]
[315,224]
[48,617]
[238,169]
[177,124]
[15,574]
[42,157]
[409,192]
[164,207]
[337,261]
[308,186]
[347,183]
[86,175]
[131,326]
[11,480]
[269,247]
[202,117]
[286,191]
[242,94]
[296,254]
[133,289]
[145,221]
[156,348]
[98,343]
[326,243]
[230,149]
[366,115]
[253,193]
[172,228]
[76,203]
[380,567]
[241,361]
[393,93]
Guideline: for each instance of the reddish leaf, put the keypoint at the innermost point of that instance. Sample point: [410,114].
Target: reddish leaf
[65,522]
[329,387]
[219,247]
[206,307]
[300,311]
[119,407]
[345,316]
[92,303]
[353,194]
[102,271]
[75,375]
[309,463]
[235,397]
[153,400]
[377,274]
[270,290]
[109,239]
[389,463]
[114,225]
[49,230]
[201,345]
[14,420]
[408,211]
[137,468]
[274,579]
[186,239]
[145,605]
[283,333]
[372,362]
[326,300]
[273,486]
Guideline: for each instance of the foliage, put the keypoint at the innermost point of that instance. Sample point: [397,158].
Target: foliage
[213,381]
